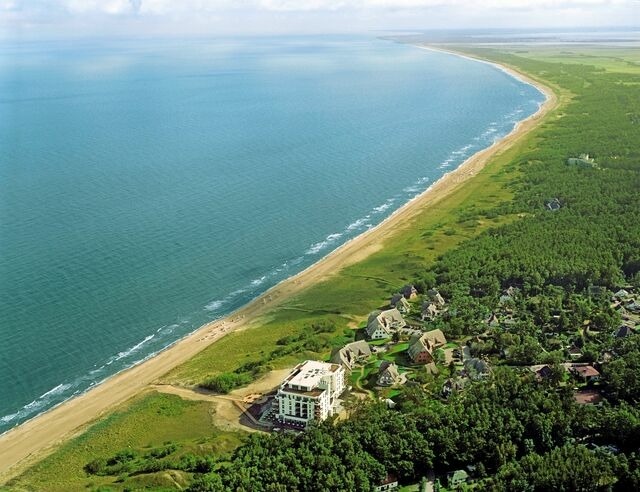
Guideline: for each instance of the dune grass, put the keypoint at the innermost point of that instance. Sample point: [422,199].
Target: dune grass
[147,421]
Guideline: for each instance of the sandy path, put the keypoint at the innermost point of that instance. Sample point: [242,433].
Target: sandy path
[31,441]
[229,408]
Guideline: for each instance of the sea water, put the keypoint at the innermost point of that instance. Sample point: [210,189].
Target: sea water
[148,187]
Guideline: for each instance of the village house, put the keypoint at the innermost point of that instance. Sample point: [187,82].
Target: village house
[620,295]
[452,386]
[574,351]
[420,349]
[399,302]
[476,369]
[457,478]
[309,393]
[542,372]
[380,324]
[389,375]
[430,311]
[585,372]
[390,482]
[624,331]
[409,292]
[434,297]
[351,354]
[436,337]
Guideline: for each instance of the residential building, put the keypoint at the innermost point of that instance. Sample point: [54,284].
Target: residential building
[409,292]
[434,297]
[310,393]
[624,331]
[436,338]
[457,478]
[351,354]
[389,375]
[399,302]
[430,311]
[420,349]
[380,324]
[585,372]
[390,482]
[477,369]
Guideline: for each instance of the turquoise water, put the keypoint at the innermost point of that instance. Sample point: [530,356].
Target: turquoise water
[150,187]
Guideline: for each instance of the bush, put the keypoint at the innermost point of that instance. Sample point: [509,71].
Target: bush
[225,382]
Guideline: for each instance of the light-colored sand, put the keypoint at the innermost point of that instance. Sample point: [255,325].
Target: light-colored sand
[31,441]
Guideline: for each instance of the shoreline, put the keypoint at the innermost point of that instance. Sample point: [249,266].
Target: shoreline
[32,440]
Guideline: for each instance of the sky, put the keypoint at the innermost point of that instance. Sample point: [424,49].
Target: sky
[77,18]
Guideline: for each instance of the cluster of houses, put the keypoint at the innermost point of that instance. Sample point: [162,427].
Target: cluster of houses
[627,304]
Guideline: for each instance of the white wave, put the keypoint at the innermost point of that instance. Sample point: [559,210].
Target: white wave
[135,348]
[258,281]
[215,305]
[382,208]
[36,404]
[358,223]
[317,247]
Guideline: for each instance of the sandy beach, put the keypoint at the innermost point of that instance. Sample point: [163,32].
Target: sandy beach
[32,440]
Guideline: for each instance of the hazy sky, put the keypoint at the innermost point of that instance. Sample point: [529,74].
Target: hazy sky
[42,18]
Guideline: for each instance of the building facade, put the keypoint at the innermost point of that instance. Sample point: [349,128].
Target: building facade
[310,393]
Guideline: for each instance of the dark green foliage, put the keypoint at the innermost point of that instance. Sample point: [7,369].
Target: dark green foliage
[564,469]
[622,375]
[225,382]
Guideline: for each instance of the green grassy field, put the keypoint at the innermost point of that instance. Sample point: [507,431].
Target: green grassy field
[345,299]
[149,420]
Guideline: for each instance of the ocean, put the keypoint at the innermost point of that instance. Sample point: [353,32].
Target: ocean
[148,187]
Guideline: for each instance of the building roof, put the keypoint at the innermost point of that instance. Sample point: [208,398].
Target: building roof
[390,371]
[624,331]
[436,337]
[409,291]
[309,374]
[621,294]
[395,299]
[478,366]
[350,353]
[585,371]
[392,316]
[434,296]
[417,344]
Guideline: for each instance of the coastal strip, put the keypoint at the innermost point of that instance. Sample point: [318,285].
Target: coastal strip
[31,441]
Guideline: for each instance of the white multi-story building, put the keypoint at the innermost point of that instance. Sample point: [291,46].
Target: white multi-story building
[310,393]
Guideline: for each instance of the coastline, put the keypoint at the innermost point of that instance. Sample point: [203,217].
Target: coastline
[32,440]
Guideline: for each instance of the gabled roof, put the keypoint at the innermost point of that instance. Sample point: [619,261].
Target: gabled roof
[392,316]
[409,291]
[434,296]
[478,366]
[350,353]
[435,337]
[621,294]
[389,371]
[585,371]
[624,331]
[376,324]
[395,299]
